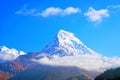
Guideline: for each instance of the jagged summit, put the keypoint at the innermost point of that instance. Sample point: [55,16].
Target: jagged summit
[65,43]
[64,36]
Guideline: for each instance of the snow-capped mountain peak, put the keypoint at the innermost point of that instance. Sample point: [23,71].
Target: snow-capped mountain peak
[64,36]
[67,50]
[65,43]
[5,50]
[7,54]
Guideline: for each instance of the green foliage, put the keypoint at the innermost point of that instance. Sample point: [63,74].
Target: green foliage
[112,74]
[80,77]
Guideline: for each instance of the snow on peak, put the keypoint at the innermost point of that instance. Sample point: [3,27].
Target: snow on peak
[7,54]
[64,36]
[65,43]
[68,50]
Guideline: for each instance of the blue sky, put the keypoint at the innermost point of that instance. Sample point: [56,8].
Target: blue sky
[29,25]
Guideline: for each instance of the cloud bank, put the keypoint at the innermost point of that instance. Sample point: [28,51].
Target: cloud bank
[90,62]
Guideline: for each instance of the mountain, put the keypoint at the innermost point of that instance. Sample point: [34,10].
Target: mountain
[7,54]
[64,58]
[7,57]
[44,72]
[67,50]
[65,43]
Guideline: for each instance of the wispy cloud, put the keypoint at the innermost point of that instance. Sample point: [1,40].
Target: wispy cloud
[51,11]
[25,11]
[114,6]
[97,15]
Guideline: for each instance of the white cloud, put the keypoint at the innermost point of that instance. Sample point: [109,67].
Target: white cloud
[86,61]
[96,15]
[71,10]
[52,11]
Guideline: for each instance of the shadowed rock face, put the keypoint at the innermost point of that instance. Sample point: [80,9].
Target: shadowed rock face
[44,72]
[5,75]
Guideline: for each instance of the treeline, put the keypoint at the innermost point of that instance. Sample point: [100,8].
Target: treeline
[112,74]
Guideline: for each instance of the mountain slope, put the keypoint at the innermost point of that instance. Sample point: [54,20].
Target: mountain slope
[45,72]
[65,43]
[80,77]
[5,75]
